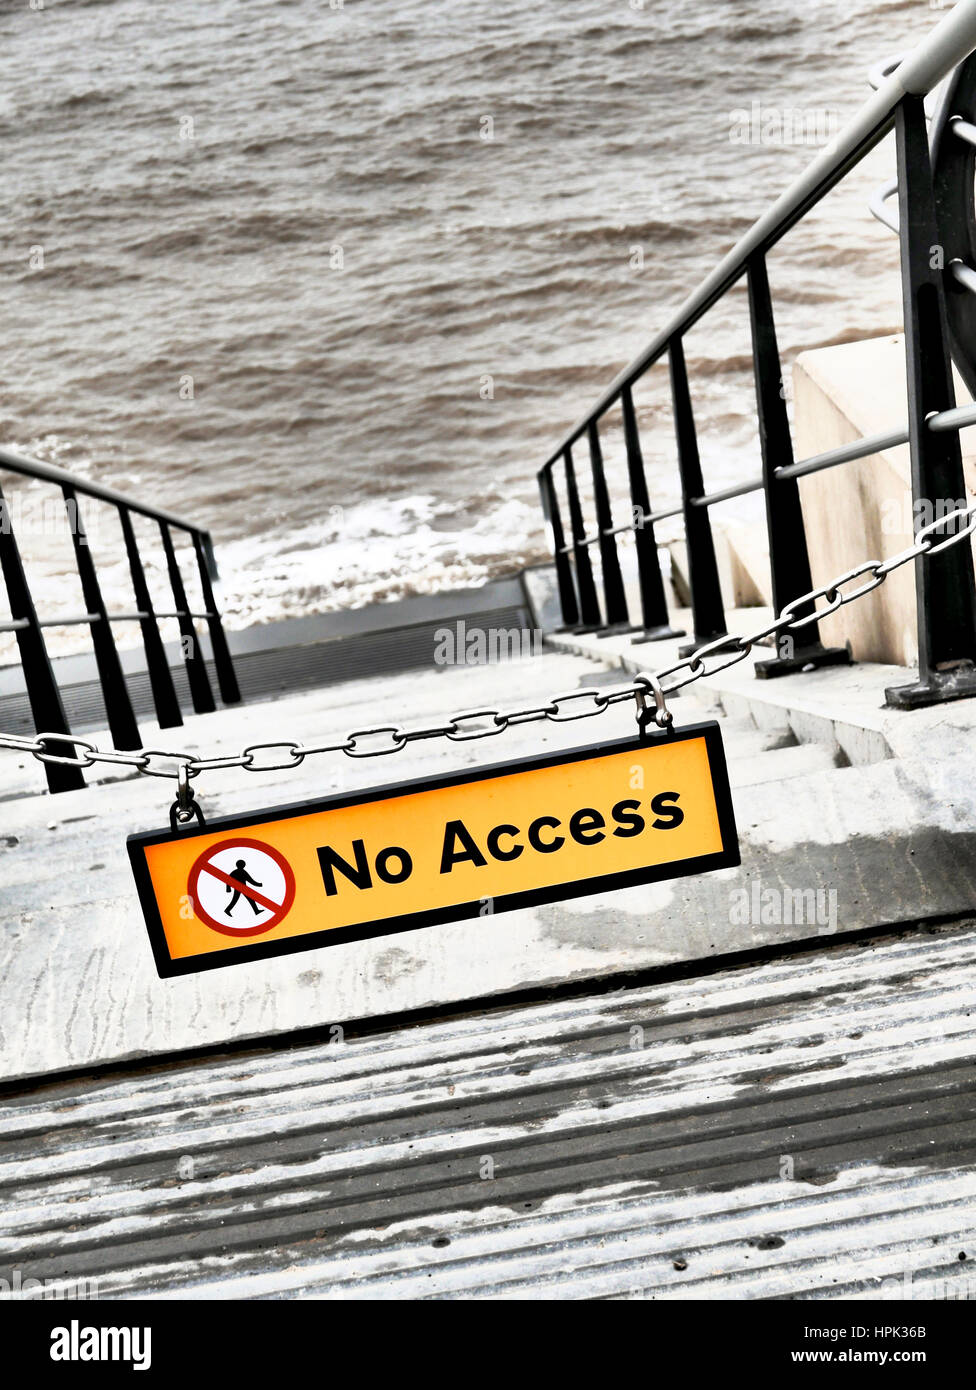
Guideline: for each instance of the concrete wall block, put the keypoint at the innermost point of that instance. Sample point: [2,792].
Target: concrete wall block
[812,728]
[862,510]
[860,746]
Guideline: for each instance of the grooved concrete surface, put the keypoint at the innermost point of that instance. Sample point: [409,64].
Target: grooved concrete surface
[886,841]
[802,1129]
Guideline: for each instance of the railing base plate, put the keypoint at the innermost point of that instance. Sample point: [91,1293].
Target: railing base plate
[656,634]
[805,660]
[619,629]
[957,684]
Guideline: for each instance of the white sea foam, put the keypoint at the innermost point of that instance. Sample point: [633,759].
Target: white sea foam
[373,552]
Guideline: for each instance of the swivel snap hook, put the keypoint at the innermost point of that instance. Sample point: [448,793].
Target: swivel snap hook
[185,808]
[661,715]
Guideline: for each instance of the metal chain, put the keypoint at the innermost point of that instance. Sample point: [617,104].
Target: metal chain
[486,723]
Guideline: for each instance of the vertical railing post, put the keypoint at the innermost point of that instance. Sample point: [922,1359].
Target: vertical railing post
[196,668]
[945,592]
[115,693]
[564,575]
[614,598]
[703,581]
[789,560]
[165,702]
[654,603]
[43,695]
[230,691]
[589,604]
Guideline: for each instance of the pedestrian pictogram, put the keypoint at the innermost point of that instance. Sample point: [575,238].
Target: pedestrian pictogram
[241,887]
[241,875]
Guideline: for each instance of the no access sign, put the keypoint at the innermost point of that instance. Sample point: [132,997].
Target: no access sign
[515,834]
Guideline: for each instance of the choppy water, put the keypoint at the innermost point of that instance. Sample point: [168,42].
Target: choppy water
[195,173]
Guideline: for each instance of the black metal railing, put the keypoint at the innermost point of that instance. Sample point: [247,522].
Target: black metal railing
[43,692]
[946,594]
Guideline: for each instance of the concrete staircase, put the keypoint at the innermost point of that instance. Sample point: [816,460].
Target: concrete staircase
[828,796]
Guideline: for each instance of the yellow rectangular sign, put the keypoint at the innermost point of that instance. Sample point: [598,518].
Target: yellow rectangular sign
[468,845]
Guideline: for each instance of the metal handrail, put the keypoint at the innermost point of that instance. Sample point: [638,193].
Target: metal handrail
[51,473]
[960,417]
[932,431]
[80,619]
[44,695]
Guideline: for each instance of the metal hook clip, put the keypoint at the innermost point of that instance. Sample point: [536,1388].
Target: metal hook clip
[661,715]
[185,807]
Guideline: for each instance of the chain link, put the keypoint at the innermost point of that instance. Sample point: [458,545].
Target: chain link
[68,751]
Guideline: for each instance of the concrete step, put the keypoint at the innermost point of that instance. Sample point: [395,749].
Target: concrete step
[412,697]
[866,845]
[778,764]
[841,705]
[34,878]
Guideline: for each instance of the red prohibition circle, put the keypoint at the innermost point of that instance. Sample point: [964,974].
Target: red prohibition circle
[202,864]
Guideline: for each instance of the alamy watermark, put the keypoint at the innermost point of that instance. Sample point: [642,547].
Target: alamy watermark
[905,515]
[27,514]
[950,1287]
[777,907]
[759,124]
[462,645]
[19,1288]
[76,1342]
